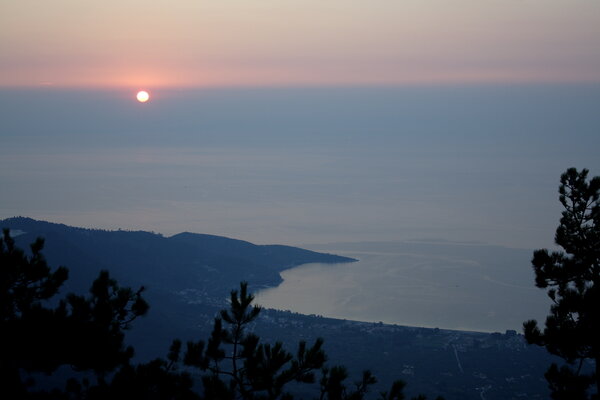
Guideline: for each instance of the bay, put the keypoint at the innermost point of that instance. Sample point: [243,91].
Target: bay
[446,285]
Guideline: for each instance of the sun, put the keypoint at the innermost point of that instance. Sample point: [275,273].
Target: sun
[142,96]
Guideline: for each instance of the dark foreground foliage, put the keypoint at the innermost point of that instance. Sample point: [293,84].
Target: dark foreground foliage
[572,277]
[42,335]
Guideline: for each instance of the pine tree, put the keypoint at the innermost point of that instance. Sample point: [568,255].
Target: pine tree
[572,277]
[238,365]
[85,333]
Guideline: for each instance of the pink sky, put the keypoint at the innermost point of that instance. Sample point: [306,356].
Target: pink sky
[196,43]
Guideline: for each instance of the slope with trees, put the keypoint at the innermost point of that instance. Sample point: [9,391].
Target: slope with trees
[43,334]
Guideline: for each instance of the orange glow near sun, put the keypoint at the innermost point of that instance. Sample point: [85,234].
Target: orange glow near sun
[142,96]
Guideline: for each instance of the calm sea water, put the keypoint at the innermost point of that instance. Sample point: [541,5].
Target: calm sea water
[312,165]
[446,285]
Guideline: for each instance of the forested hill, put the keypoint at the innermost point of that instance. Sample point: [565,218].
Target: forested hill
[187,277]
[204,263]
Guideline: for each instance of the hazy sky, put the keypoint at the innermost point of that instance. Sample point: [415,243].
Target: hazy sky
[147,43]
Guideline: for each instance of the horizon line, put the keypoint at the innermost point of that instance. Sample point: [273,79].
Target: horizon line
[399,85]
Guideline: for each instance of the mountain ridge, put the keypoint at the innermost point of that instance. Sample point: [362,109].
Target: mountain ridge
[183,254]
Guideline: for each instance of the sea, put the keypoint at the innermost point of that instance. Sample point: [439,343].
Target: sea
[440,192]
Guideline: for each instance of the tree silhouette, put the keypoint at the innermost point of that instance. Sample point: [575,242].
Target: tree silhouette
[157,379]
[85,333]
[253,370]
[572,277]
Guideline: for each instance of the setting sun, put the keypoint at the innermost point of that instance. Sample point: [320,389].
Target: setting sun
[142,96]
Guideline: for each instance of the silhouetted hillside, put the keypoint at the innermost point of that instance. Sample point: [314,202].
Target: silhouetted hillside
[203,262]
[187,276]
